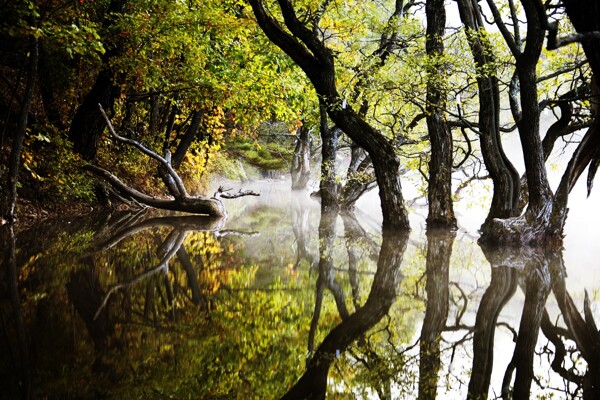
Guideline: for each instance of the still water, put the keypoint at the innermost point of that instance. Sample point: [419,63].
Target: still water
[279,301]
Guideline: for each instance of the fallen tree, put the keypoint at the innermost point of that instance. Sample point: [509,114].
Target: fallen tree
[180,199]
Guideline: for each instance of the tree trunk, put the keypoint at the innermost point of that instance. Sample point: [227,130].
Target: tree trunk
[87,125]
[504,176]
[187,140]
[540,195]
[439,195]
[316,60]
[329,186]
[300,169]
[10,196]
[585,17]
[181,201]
[49,69]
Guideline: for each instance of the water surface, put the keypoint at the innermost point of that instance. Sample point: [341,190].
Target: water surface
[281,302]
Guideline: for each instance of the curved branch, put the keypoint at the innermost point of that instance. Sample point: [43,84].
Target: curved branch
[508,38]
[196,205]
[164,162]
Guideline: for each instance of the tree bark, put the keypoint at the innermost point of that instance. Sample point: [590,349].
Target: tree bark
[504,176]
[540,195]
[439,195]
[187,139]
[300,169]
[329,186]
[10,197]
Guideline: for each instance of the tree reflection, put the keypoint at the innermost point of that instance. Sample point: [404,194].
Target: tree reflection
[169,303]
[439,250]
[13,323]
[583,332]
[502,286]
[535,279]
[313,383]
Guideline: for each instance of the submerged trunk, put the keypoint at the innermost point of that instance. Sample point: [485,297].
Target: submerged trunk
[504,176]
[301,160]
[307,50]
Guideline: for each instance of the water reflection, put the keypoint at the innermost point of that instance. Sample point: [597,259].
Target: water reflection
[284,303]
[437,268]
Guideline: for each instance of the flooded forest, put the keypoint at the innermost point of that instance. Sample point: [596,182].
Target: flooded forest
[299,200]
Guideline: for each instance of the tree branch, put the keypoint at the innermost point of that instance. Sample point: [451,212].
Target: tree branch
[164,162]
[222,192]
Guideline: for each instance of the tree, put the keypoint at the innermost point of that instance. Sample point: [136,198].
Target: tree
[87,124]
[545,215]
[439,194]
[181,200]
[302,43]
[9,199]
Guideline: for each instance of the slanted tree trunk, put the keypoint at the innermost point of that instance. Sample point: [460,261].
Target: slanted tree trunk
[534,225]
[585,17]
[300,169]
[304,46]
[186,141]
[439,194]
[504,176]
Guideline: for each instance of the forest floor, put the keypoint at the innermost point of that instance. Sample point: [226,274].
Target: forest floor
[30,212]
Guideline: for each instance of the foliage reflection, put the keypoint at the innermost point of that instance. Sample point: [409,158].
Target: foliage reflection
[138,305]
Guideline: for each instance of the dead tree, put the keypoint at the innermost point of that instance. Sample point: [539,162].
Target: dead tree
[180,199]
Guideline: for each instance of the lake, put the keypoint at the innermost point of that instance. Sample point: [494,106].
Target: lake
[278,301]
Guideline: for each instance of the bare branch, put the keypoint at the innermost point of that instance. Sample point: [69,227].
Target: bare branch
[164,162]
